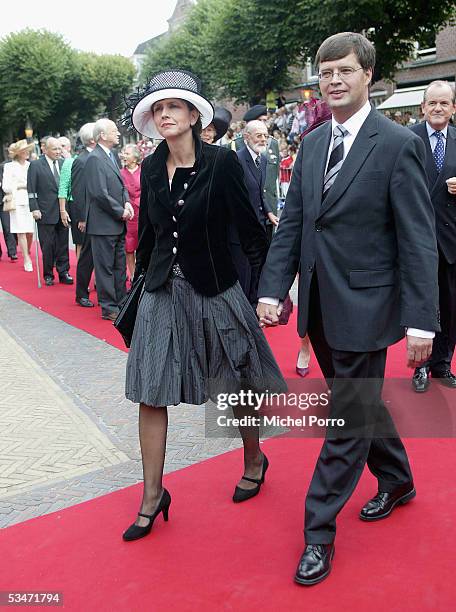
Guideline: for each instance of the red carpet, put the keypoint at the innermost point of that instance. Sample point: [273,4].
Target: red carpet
[214,555]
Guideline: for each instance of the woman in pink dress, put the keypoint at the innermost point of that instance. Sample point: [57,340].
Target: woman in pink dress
[131,174]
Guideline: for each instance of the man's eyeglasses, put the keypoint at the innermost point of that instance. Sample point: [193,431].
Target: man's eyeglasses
[344,73]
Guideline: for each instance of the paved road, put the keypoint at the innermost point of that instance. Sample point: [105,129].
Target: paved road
[67,432]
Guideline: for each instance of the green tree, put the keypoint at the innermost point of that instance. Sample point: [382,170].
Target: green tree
[188,47]
[33,69]
[46,82]
[392,25]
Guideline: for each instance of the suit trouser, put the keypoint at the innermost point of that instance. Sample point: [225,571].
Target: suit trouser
[356,381]
[84,268]
[10,239]
[54,247]
[110,265]
[444,341]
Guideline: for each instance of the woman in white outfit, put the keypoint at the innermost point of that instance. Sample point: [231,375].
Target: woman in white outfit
[15,183]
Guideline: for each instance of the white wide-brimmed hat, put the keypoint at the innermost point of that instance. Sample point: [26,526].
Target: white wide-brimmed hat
[167,84]
[21,145]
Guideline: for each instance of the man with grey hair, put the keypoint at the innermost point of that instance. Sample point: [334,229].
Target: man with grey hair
[440,142]
[79,213]
[43,180]
[108,210]
[253,161]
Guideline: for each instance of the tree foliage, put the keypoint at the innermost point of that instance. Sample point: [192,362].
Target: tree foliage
[55,87]
[243,48]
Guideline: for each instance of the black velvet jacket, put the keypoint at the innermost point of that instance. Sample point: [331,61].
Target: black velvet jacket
[188,227]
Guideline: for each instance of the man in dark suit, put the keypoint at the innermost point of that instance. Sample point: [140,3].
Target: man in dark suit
[253,162]
[359,225]
[10,239]
[43,184]
[79,214]
[440,143]
[108,210]
[259,112]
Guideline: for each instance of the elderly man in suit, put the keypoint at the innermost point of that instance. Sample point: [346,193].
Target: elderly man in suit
[108,210]
[79,214]
[440,142]
[43,188]
[253,161]
[359,224]
[259,112]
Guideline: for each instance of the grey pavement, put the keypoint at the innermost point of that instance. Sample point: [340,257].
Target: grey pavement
[67,432]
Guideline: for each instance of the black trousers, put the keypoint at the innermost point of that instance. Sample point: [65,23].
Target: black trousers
[85,267]
[444,341]
[54,247]
[110,265]
[342,459]
[10,239]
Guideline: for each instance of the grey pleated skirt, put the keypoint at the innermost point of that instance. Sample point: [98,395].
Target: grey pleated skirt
[187,347]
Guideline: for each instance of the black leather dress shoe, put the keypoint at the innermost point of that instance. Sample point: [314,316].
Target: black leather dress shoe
[84,302]
[66,279]
[445,378]
[315,564]
[383,503]
[13,257]
[420,380]
[48,281]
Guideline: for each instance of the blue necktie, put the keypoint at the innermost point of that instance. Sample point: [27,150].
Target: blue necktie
[113,159]
[439,150]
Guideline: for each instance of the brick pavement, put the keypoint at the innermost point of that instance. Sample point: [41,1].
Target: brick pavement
[68,433]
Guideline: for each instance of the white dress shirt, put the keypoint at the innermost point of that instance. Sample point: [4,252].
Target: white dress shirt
[433,137]
[352,126]
[106,150]
[51,164]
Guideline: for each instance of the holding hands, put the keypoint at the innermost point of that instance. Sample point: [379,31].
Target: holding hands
[129,213]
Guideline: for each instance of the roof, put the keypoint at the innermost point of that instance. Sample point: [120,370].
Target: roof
[143,47]
[401,98]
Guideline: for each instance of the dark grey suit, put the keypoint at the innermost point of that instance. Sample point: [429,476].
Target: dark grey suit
[254,179]
[445,217]
[79,209]
[43,196]
[106,197]
[367,257]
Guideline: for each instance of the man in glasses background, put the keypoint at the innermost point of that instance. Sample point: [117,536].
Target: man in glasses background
[359,224]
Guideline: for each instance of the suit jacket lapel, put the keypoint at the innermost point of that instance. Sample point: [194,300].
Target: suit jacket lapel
[263,168]
[450,153]
[319,156]
[431,168]
[364,142]
[252,167]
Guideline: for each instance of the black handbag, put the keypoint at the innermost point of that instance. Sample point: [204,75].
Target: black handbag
[125,320]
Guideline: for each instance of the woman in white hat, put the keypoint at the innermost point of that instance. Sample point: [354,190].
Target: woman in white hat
[15,185]
[196,334]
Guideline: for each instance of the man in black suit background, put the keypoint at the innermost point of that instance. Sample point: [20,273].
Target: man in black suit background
[359,225]
[108,210]
[43,183]
[253,162]
[440,142]
[84,267]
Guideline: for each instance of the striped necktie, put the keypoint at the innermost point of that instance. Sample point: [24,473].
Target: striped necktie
[257,161]
[439,150]
[336,158]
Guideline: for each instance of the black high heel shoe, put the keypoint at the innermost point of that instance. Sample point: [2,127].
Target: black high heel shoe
[135,532]
[241,495]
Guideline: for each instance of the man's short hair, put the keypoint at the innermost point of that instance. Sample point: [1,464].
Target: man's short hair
[86,133]
[102,125]
[439,83]
[339,45]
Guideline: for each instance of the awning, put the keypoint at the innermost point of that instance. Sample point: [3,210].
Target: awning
[401,98]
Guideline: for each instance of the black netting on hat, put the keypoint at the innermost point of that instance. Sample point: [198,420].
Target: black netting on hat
[165,79]
[175,79]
